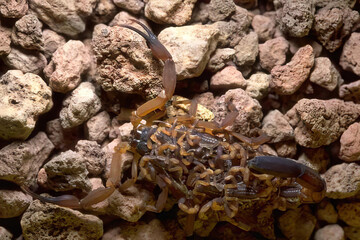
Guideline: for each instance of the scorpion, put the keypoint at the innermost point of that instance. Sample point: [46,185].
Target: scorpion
[211,172]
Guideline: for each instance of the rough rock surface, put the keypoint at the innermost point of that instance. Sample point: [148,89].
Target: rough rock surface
[350,143]
[273,53]
[93,155]
[264,27]
[220,58]
[286,149]
[333,231]
[326,212]
[349,213]
[321,122]
[62,139]
[52,41]
[20,161]
[104,11]
[350,92]
[227,78]
[325,74]
[216,10]
[5,234]
[97,128]
[247,50]
[352,233]
[5,40]
[13,203]
[67,64]
[24,97]
[342,180]
[315,158]
[80,106]
[287,79]
[277,127]
[48,221]
[13,8]
[350,56]
[257,86]
[133,6]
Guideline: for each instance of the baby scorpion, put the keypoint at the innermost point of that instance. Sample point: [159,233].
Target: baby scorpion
[210,171]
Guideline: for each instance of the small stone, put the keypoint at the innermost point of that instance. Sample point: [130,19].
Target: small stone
[257,86]
[5,234]
[97,128]
[52,41]
[350,56]
[13,8]
[227,78]
[286,149]
[273,53]
[24,97]
[80,106]
[277,127]
[287,79]
[13,203]
[5,40]
[133,6]
[104,11]
[350,143]
[352,233]
[206,99]
[220,58]
[333,232]
[125,131]
[44,221]
[264,27]
[63,139]
[247,50]
[342,180]
[27,33]
[93,155]
[215,10]
[349,213]
[325,211]
[350,92]
[325,74]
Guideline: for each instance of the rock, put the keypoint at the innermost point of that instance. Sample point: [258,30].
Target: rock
[5,234]
[125,131]
[68,63]
[93,156]
[324,3]
[5,40]
[315,158]
[63,16]
[321,122]
[342,180]
[52,41]
[104,11]
[206,99]
[13,203]
[116,49]
[297,43]
[216,10]
[298,223]
[326,212]
[24,98]
[257,86]
[97,128]
[220,58]
[350,56]
[183,42]
[350,143]
[27,33]
[98,208]
[286,149]
[250,113]
[350,92]
[349,213]
[264,27]
[325,74]
[79,106]
[334,23]
[277,127]
[352,233]
[295,17]
[169,12]
[333,232]
[66,172]
[227,78]
[25,61]
[287,79]
[273,53]
[63,139]
[20,161]
[247,50]
[44,221]
[133,6]
[13,8]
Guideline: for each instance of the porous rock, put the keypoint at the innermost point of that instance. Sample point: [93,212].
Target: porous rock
[332,231]
[326,211]
[342,180]
[286,149]
[20,161]
[97,128]
[350,92]
[176,12]
[321,122]
[24,98]
[67,64]
[206,99]
[350,56]
[352,233]
[52,41]
[247,50]
[325,74]
[227,78]
[93,156]
[287,79]
[277,127]
[49,221]
[13,8]
[5,234]
[257,86]
[13,203]
[183,42]
[79,106]
[5,40]
[133,6]
[104,11]
[349,213]
[216,10]
[264,27]
[273,53]
[350,143]
[220,58]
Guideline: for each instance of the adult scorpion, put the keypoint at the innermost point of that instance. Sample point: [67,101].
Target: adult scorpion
[213,173]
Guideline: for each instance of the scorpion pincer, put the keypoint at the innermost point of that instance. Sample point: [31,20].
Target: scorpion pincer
[213,173]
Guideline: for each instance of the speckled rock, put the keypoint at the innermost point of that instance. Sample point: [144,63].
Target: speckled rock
[273,53]
[67,171]
[295,17]
[247,50]
[52,41]
[315,158]
[286,149]
[169,12]
[49,221]
[5,234]
[350,56]
[97,128]
[325,211]
[334,23]
[325,74]
[350,143]
[257,86]
[264,27]
[13,8]
[104,11]
[349,213]
[20,161]
[220,58]
[64,16]
[287,79]
[79,106]
[350,92]
[25,61]
[227,78]
[321,122]
[13,203]
[250,113]
[93,156]
[67,64]
[216,10]
[333,232]
[183,42]
[342,180]
[62,139]
[125,131]
[27,33]
[352,233]
[5,40]
[277,127]
[133,6]
[24,98]
[323,3]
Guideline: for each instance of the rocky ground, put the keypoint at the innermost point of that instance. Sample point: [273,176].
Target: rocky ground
[70,77]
